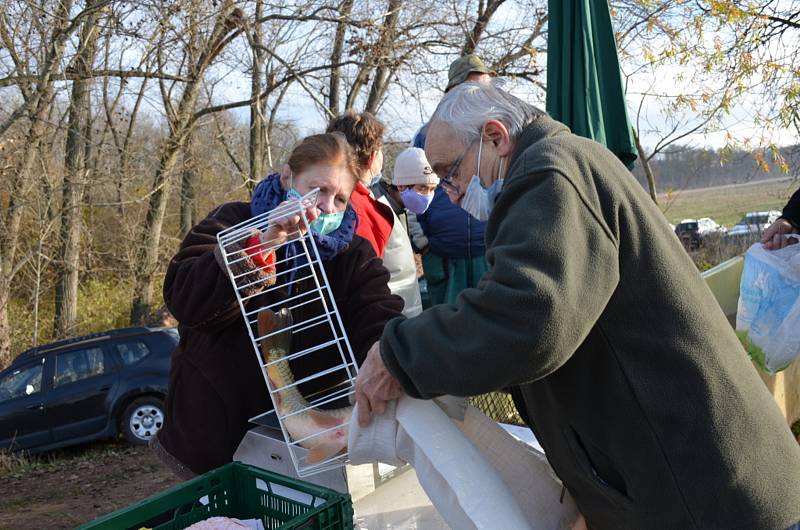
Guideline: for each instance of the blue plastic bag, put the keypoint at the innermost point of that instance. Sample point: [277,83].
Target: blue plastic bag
[768,316]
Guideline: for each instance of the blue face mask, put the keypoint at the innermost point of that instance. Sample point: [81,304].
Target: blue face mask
[326,222]
[375,180]
[478,200]
[415,202]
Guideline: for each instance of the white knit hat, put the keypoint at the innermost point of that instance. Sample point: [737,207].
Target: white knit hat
[412,167]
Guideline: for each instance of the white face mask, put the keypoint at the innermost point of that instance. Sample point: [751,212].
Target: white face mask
[479,200]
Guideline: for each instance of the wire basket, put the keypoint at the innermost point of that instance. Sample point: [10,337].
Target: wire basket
[297,335]
[499,406]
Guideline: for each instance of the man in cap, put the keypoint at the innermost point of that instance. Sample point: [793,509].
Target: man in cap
[467,68]
[450,240]
[414,179]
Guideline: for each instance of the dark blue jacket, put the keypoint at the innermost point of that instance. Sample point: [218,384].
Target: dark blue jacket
[451,232]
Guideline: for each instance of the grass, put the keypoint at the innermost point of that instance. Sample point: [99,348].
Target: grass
[20,463]
[14,463]
[726,204]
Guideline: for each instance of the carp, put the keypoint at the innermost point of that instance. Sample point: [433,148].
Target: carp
[323,432]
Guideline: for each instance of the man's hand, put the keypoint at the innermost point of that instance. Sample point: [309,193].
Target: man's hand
[375,386]
[773,238]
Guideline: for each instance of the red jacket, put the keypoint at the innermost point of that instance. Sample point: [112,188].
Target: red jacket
[374,218]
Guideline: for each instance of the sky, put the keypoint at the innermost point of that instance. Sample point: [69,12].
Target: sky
[404,116]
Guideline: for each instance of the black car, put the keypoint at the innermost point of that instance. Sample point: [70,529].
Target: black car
[689,234]
[87,388]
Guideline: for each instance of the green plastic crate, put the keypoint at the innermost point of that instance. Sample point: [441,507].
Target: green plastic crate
[240,491]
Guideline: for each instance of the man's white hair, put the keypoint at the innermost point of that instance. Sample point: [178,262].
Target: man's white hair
[466,107]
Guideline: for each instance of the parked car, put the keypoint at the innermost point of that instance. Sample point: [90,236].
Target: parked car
[708,226]
[692,232]
[688,231]
[754,223]
[87,388]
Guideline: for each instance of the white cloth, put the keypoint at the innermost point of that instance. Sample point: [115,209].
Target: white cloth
[398,258]
[476,474]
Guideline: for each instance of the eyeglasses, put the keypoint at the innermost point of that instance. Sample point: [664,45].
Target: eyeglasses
[447,180]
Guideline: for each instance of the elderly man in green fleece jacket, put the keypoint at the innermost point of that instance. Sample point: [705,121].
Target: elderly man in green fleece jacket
[631,378]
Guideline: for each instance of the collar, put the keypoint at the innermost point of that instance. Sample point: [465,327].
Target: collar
[361,189]
[537,130]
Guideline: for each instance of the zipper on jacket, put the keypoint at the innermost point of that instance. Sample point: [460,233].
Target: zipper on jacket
[469,236]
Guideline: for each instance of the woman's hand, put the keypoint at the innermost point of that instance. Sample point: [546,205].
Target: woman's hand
[287,228]
[774,236]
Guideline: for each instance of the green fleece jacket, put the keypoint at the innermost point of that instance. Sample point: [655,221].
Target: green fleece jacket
[633,381]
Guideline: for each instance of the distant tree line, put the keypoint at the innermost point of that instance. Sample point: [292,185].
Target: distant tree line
[679,168]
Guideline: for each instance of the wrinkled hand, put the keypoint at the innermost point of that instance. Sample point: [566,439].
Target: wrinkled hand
[773,238]
[286,228]
[375,386]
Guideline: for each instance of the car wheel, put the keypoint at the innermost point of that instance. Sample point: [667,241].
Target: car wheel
[142,420]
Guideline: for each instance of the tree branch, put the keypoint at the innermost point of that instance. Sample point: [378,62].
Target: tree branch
[292,76]
[73,76]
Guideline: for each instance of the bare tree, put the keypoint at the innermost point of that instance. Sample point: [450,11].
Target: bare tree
[257,120]
[199,58]
[188,187]
[77,155]
[37,99]
[345,11]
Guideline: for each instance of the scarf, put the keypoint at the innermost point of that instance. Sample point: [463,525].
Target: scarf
[269,194]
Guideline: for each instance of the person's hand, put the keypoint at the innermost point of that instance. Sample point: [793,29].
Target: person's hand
[282,229]
[774,236]
[375,386]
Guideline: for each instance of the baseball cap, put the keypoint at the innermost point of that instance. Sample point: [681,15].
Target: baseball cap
[462,67]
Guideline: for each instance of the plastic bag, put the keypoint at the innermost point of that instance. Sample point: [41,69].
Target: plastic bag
[768,316]
[475,473]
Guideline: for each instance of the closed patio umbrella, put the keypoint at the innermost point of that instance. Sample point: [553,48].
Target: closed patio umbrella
[584,89]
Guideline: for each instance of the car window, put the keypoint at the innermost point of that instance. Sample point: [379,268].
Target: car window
[132,352]
[77,365]
[21,382]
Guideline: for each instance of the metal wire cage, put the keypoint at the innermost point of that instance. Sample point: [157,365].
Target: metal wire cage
[499,406]
[288,305]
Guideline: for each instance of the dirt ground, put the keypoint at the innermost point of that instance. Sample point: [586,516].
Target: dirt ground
[73,487]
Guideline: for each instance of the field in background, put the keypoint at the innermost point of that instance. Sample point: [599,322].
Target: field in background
[727,204]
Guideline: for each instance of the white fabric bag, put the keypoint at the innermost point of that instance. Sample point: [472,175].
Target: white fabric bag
[768,315]
[475,473]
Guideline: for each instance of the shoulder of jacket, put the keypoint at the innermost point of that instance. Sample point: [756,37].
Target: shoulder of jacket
[228,210]
[359,249]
